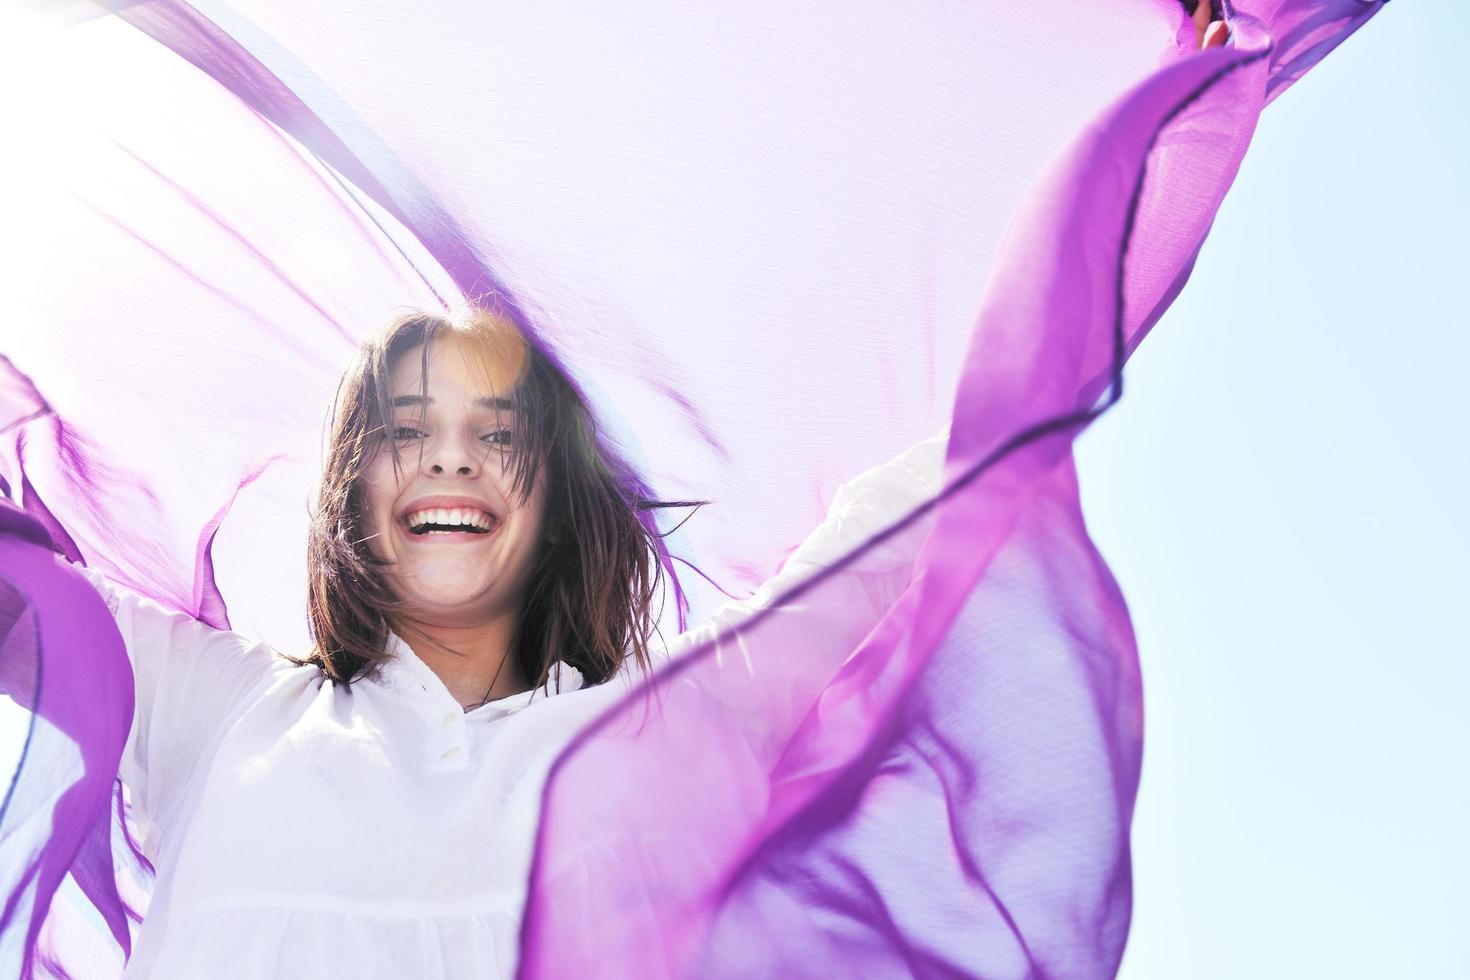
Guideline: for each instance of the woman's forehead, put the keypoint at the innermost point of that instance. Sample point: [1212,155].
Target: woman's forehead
[468,365]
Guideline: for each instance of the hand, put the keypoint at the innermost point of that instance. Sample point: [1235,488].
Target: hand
[1206,34]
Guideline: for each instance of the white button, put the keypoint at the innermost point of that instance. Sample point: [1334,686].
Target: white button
[450,753]
[449,719]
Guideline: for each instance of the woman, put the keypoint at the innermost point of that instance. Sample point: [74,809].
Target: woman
[478,555]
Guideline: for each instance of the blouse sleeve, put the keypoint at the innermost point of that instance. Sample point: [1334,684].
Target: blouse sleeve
[192,681]
[829,627]
[860,509]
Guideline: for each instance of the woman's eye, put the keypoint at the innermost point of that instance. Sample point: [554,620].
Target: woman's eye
[499,437]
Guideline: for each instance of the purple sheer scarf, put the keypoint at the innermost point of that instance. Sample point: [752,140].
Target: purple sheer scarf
[776,247]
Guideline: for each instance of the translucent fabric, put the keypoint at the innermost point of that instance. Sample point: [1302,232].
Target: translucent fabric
[776,244]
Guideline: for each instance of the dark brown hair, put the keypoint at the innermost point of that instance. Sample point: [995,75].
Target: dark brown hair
[599,566]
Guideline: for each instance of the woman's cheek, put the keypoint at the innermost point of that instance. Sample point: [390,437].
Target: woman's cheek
[378,497]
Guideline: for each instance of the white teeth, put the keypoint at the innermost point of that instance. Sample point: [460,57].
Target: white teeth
[462,516]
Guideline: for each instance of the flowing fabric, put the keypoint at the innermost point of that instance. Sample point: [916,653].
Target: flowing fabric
[776,244]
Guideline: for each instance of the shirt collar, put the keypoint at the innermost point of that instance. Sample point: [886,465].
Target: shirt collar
[406,673]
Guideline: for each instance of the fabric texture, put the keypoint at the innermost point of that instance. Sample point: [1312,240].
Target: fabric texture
[776,244]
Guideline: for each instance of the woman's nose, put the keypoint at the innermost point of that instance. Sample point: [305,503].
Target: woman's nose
[451,454]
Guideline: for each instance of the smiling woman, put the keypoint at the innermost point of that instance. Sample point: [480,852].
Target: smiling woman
[443,424]
[477,551]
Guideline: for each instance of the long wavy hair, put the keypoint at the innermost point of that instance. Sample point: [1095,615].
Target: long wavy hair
[599,567]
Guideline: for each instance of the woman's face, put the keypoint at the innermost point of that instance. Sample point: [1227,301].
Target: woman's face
[460,541]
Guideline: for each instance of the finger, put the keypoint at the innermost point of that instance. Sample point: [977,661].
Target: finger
[1201,18]
[1216,35]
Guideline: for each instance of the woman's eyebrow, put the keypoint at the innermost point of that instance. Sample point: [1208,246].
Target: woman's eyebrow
[492,403]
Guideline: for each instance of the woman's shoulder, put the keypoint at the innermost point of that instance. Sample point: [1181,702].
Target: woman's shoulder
[150,623]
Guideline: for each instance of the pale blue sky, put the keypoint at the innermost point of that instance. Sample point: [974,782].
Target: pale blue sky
[1281,494]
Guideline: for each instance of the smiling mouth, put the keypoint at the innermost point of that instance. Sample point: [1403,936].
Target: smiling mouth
[453,523]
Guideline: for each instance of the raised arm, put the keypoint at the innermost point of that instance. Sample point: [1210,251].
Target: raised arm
[192,681]
[852,602]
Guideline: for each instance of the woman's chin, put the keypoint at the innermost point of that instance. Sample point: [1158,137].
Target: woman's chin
[451,605]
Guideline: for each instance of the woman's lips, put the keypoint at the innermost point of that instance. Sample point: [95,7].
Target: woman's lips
[448,519]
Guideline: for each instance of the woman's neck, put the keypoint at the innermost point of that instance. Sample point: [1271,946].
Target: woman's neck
[474,662]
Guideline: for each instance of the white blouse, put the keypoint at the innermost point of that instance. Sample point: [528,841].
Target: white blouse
[305,829]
